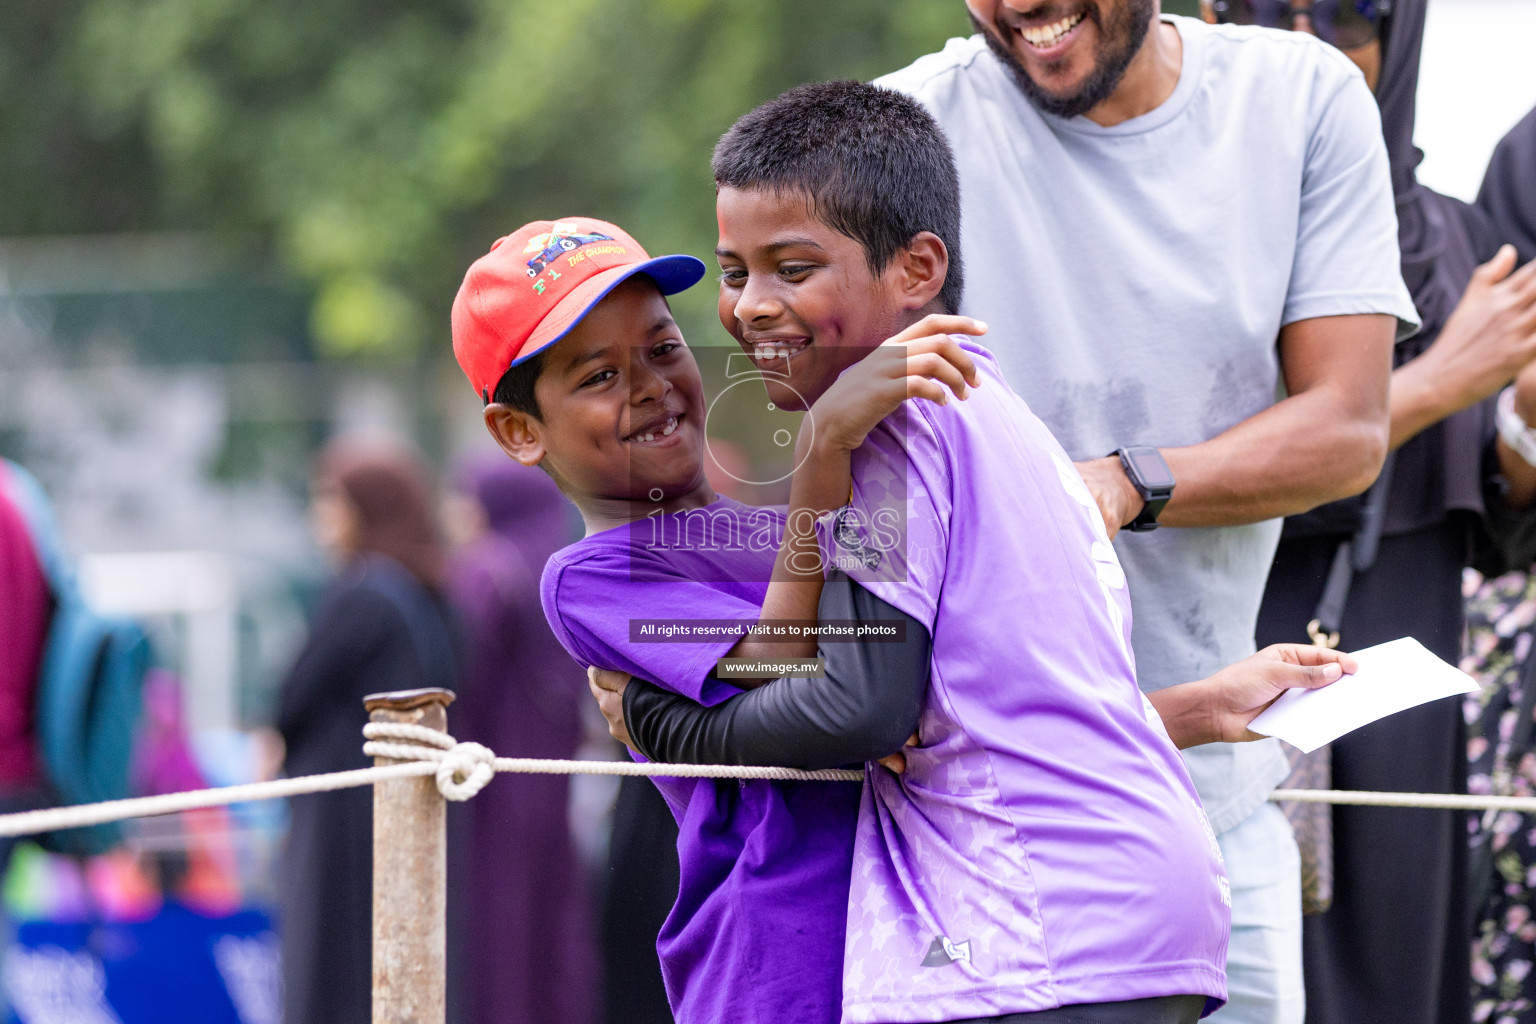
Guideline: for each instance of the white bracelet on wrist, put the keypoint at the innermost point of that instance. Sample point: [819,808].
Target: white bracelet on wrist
[1513,430]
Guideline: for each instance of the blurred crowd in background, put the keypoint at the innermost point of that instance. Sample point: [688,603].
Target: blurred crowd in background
[229,235]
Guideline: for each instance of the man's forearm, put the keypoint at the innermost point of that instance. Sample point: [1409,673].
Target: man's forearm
[1294,456]
[1283,462]
[1326,441]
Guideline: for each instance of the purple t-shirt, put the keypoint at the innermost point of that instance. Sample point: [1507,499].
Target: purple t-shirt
[1045,846]
[756,935]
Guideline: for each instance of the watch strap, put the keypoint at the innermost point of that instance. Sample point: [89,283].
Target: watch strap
[1146,519]
[1513,430]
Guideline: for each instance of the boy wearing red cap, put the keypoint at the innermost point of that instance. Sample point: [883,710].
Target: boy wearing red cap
[564,331]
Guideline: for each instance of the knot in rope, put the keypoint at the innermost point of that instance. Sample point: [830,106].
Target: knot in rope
[463,769]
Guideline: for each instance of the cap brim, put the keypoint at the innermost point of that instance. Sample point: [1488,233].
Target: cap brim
[672,274]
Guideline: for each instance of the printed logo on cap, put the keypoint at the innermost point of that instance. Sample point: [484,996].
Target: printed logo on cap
[563,236]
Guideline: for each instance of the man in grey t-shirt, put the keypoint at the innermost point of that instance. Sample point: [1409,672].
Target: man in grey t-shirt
[1183,237]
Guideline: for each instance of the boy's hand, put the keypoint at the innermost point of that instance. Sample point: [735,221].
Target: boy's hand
[923,361]
[1491,335]
[608,687]
[1118,500]
[897,762]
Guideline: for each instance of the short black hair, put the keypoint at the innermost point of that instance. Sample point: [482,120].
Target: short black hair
[515,389]
[874,162]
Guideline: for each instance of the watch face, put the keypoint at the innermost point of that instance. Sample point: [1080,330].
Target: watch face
[1150,467]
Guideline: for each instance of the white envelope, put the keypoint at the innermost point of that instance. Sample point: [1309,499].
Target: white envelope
[1393,677]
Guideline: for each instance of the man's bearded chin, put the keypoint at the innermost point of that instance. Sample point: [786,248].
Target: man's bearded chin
[1121,40]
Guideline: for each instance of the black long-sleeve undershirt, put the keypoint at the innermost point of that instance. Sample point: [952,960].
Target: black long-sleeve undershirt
[865,707]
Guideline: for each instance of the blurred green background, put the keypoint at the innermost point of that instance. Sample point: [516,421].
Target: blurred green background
[368,150]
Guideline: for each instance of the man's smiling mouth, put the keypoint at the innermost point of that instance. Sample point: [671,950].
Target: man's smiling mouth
[656,431]
[1044,37]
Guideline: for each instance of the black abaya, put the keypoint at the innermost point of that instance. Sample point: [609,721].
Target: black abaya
[1508,195]
[370,635]
[1394,946]
[638,895]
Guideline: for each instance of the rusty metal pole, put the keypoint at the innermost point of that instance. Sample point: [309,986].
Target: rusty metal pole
[410,888]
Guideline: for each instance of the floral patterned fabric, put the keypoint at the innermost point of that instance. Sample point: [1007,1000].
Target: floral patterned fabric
[1500,614]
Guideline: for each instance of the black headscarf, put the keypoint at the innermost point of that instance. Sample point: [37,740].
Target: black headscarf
[1442,242]
[1508,195]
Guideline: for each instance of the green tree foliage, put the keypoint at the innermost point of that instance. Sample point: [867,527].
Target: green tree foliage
[59,173]
[380,145]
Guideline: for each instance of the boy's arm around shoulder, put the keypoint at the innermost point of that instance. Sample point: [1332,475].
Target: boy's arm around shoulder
[864,708]
[924,361]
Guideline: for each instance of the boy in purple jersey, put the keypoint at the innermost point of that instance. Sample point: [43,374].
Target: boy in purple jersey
[592,381]
[1045,847]
[602,393]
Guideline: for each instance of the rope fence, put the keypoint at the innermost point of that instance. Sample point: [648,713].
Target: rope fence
[460,771]
[418,765]
[1423,801]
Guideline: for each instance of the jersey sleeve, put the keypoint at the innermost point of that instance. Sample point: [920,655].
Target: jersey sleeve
[1347,260]
[590,604]
[892,537]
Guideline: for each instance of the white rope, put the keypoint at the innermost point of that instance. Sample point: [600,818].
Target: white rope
[462,769]
[55,818]
[1428,801]
[461,764]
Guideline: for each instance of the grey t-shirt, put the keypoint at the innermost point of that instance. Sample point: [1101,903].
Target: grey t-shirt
[1136,277]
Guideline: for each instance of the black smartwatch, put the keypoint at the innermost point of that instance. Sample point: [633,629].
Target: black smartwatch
[1153,480]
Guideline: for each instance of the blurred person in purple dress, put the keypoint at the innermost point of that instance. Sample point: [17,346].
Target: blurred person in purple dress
[527,917]
[381,625]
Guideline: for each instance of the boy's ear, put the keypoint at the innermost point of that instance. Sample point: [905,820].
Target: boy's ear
[921,269]
[519,434]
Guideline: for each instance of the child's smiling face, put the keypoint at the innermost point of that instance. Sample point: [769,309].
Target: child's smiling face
[621,406]
[797,295]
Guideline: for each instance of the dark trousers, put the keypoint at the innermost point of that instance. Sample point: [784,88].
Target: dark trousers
[1395,946]
[641,888]
[1165,1010]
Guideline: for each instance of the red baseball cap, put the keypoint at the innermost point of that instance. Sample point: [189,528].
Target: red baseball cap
[538,282]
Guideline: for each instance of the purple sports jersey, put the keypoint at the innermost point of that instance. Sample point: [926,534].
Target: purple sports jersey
[1045,846]
[756,935]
